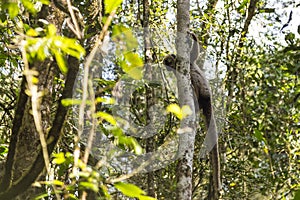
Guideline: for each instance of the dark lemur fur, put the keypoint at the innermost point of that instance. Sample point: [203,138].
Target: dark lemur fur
[204,98]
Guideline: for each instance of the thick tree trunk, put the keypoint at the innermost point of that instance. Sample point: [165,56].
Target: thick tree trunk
[186,139]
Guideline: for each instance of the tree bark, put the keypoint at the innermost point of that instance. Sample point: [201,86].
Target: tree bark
[25,161]
[187,127]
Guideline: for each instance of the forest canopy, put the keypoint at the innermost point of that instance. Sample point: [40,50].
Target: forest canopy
[90,110]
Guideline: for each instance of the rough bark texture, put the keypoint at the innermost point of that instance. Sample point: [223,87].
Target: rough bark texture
[186,139]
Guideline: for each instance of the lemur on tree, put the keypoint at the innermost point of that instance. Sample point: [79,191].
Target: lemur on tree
[204,99]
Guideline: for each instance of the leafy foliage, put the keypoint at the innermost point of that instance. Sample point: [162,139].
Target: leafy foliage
[131,190]
[42,47]
[258,101]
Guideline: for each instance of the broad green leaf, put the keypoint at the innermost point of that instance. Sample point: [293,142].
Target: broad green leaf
[129,190]
[134,59]
[13,9]
[111,5]
[124,39]
[135,73]
[132,65]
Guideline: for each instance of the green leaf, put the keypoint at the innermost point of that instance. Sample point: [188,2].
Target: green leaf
[105,191]
[61,62]
[51,30]
[123,140]
[56,182]
[111,5]
[59,158]
[70,102]
[3,150]
[133,65]
[37,48]
[46,2]
[134,59]
[42,49]
[142,197]
[135,73]
[89,185]
[129,190]
[176,110]
[84,174]
[32,32]
[42,196]
[107,117]
[297,195]
[124,34]
[259,135]
[69,46]
[137,148]
[29,6]
[105,100]
[13,9]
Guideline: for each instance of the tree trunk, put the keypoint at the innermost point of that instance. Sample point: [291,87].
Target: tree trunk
[187,137]
[25,161]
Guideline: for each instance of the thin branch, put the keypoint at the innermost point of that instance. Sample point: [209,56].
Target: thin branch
[74,20]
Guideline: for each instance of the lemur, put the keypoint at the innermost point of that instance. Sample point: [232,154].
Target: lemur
[204,99]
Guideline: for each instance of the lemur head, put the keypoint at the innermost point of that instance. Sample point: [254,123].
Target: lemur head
[170,61]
